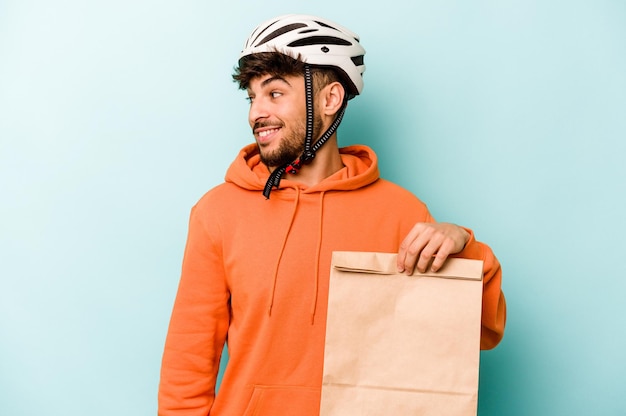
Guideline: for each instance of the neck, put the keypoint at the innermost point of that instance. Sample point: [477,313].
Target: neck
[327,161]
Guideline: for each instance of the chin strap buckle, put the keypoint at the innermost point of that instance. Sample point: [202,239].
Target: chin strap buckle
[294,167]
[305,159]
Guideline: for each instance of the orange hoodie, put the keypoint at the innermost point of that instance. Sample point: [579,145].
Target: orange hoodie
[256,271]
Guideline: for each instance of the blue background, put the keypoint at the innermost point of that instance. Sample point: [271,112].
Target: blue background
[508,117]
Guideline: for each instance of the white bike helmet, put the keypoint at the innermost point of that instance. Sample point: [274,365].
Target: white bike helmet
[316,40]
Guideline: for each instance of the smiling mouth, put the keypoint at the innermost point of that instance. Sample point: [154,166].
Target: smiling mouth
[266,133]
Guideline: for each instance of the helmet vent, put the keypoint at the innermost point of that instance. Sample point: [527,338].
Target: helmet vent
[325,25]
[358,60]
[281,31]
[320,40]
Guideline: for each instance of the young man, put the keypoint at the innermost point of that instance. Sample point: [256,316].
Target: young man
[257,261]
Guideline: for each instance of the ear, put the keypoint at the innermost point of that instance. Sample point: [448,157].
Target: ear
[332,98]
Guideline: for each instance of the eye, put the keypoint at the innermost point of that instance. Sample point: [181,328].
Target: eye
[276,94]
[250,99]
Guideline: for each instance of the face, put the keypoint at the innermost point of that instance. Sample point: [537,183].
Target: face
[278,118]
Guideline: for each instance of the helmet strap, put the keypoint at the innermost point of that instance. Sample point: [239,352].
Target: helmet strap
[309,149]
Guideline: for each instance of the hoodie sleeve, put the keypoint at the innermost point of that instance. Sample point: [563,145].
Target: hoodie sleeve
[494,304]
[197,329]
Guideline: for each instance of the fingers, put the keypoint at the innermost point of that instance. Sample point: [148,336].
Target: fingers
[428,245]
[408,252]
[441,255]
[417,249]
[431,251]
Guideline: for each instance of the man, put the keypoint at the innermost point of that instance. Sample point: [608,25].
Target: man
[257,261]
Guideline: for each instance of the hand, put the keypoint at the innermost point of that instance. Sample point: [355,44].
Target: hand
[430,242]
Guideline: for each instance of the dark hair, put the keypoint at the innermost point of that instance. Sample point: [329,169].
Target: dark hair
[276,63]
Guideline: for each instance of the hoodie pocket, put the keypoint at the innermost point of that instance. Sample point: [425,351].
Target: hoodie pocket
[284,400]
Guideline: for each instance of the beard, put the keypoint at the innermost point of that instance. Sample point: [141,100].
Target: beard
[291,146]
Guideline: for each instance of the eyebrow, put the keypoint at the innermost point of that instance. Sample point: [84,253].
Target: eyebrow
[269,80]
[272,79]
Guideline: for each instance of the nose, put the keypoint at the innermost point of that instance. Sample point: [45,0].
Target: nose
[258,111]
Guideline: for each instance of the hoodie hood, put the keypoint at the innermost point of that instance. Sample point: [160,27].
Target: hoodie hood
[360,169]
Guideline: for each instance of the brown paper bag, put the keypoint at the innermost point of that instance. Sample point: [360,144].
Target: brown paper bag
[401,345]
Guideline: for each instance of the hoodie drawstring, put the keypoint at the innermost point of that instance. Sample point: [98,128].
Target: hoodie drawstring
[317,258]
[318,251]
[282,249]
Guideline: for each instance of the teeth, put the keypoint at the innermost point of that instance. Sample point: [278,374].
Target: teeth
[267,132]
